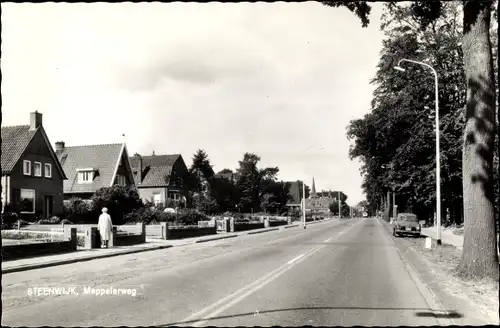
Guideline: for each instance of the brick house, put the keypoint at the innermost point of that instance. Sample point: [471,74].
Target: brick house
[32,177]
[159,177]
[92,167]
[295,192]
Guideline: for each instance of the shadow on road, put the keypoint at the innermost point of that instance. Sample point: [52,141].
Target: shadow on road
[451,315]
[426,312]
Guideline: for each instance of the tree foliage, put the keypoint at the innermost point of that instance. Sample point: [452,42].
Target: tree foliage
[395,141]
[119,200]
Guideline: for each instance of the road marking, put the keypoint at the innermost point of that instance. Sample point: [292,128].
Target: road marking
[253,290]
[295,259]
[328,239]
[244,292]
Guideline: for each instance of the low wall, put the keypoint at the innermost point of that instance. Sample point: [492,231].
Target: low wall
[247,226]
[80,228]
[190,232]
[277,223]
[127,240]
[15,252]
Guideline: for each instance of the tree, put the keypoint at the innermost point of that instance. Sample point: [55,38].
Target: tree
[248,183]
[119,200]
[225,193]
[275,197]
[199,190]
[480,257]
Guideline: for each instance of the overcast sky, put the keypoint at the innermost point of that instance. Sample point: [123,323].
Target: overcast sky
[281,80]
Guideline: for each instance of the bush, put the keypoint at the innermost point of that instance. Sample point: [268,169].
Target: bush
[66,221]
[148,215]
[44,221]
[119,200]
[8,220]
[55,220]
[191,217]
[78,210]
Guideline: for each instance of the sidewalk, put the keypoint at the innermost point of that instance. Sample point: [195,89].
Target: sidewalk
[90,254]
[447,236]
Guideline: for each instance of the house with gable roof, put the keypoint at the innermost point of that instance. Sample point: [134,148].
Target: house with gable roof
[92,167]
[32,177]
[159,177]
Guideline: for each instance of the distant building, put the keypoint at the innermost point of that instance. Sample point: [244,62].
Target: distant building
[319,202]
[159,177]
[295,195]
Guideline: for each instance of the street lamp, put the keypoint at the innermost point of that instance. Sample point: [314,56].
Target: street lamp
[304,200]
[438,162]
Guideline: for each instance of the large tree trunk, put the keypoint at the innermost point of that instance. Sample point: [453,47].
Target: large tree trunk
[479,257]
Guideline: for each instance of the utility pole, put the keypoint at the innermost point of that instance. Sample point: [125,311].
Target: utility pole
[304,205]
[339,205]
[394,209]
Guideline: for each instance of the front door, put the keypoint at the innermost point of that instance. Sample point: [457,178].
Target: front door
[49,203]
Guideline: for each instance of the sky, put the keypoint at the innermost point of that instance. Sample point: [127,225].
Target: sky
[281,80]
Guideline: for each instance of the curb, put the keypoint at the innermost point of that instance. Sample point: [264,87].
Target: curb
[256,232]
[211,239]
[83,259]
[292,226]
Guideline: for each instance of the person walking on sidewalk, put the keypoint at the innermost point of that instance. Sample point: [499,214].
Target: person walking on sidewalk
[104,226]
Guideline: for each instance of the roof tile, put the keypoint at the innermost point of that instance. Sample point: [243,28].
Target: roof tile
[15,139]
[156,169]
[104,158]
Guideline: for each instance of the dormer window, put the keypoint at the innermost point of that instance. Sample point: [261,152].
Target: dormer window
[85,175]
[120,180]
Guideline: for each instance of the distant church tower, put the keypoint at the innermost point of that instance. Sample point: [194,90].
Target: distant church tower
[313,192]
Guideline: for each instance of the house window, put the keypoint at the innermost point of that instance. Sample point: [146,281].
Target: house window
[48,170]
[27,167]
[120,180]
[27,201]
[38,169]
[85,177]
[157,199]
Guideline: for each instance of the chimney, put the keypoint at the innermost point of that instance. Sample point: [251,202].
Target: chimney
[139,168]
[35,120]
[59,146]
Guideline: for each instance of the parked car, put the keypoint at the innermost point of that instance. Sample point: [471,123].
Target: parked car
[406,224]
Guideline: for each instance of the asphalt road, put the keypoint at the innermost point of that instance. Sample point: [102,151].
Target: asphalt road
[345,272]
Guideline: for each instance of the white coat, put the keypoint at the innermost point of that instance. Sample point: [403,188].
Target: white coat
[104,226]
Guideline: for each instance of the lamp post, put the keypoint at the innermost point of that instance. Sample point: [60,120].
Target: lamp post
[438,162]
[340,202]
[304,200]
[393,188]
